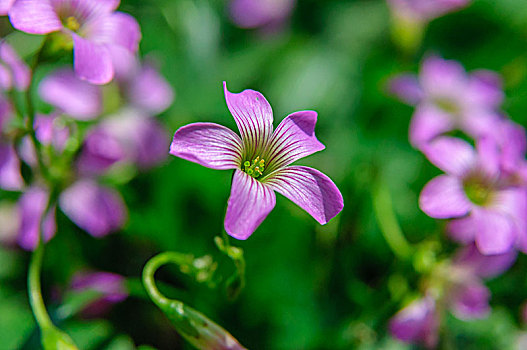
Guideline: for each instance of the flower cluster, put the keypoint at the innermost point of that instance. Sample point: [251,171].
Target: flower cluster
[455,284]
[459,127]
[90,135]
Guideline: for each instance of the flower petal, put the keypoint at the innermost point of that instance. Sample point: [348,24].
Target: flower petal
[428,122]
[249,204]
[310,189]
[406,87]
[34,17]
[462,230]
[149,91]
[443,78]
[211,145]
[417,323]
[452,155]
[5,5]
[443,198]
[100,151]
[496,233]
[77,98]
[92,61]
[293,139]
[485,89]
[254,117]
[10,176]
[19,70]
[84,9]
[31,207]
[470,300]
[485,266]
[117,28]
[96,209]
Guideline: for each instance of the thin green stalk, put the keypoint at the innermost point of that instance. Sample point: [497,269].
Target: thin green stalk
[392,232]
[35,295]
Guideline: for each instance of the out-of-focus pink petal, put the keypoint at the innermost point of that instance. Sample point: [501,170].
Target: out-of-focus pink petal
[258,13]
[249,204]
[10,176]
[77,98]
[254,117]
[208,144]
[96,209]
[110,285]
[50,131]
[417,323]
[485,266]
[31,207]
[443,78]
[452,155]
[443,198]
[485,89]
[100,151]
[34,16]
[92,61]
[293,139]
[488,156]
[310,189]
[149,91]
[125,62]
[496,233]
[427,123]
[480,122]
[462,230]
[19,70]
[406,87]
[5,5]
[470,300]
[141,137]
[117,28]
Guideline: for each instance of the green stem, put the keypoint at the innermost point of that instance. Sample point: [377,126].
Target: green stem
[392,232]
[35,295]
[150,269]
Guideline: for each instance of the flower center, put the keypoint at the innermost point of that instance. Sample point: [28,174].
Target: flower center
[254,169]
[447,105]
[478,191]
[72,23]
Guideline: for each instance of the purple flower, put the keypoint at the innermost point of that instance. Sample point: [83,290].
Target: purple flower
[447,98]
[111,286]
[425,10]
[417,323]
[13,71]
[96,209]
[260,13]
[97,31]
[261,160]
[456,285]
[128,136]
[76,98]
[487,208]
[31,207]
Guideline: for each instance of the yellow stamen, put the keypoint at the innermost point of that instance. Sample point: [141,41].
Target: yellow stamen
[72,23]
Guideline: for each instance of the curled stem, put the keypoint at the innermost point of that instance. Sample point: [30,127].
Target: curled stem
[194,326]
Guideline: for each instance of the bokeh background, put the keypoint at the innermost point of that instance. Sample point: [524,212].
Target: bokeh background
[307,286]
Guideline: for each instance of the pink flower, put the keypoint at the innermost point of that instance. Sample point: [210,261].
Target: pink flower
[99,33]
[447,98]
[487,205]
[261,159]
